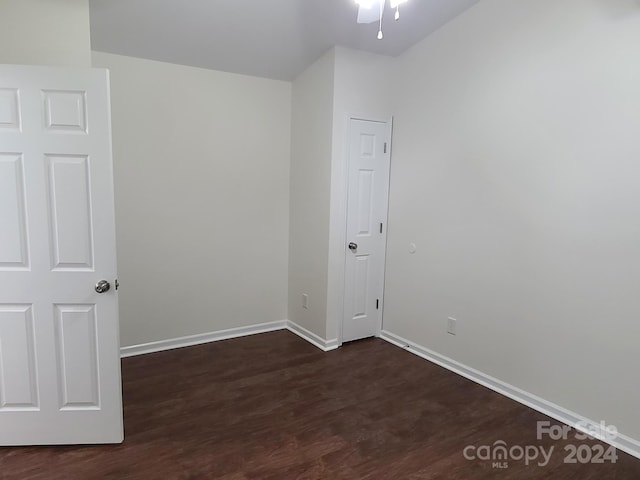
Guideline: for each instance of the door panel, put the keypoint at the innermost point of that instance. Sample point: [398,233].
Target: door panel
[364,209]
[13,249]
[9,111]
[367,205]
[361,304]
[70,212]
[77,357]
[59,341]
[65,111]
[18,385]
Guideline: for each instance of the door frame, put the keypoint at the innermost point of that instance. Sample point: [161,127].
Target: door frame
[338,225]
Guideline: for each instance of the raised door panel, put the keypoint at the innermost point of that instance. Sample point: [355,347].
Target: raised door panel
[18,378]
[9,109]
[367,145]
[364,209]
[65,111]
[71,229]
[361,286]
[76,350]
[13,230]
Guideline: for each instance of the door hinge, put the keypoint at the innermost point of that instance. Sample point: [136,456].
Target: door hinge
[385,147]
[377,304]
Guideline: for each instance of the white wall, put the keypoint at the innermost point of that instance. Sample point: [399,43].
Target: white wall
[202,193]
[362,88]
[515,171]
[310,181]
[45,32]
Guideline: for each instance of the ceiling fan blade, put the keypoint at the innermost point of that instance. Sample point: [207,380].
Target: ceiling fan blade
[369,15]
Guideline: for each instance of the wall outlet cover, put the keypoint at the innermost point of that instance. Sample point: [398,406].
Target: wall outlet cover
[451,325]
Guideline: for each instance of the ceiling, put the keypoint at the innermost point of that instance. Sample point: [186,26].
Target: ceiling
[266,38]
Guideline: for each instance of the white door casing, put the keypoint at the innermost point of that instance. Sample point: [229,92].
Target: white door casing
[367,206]
[59,341]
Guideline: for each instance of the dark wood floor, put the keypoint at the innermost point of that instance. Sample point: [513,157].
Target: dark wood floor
[272,406]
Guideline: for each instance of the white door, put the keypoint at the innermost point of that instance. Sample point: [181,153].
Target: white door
[367,206]
[59,346]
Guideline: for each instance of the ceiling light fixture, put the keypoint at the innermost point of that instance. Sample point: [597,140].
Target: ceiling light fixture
[370,11]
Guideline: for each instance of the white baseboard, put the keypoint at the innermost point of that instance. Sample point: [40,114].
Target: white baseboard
[321,343]
[199,339]
[622,442]
[170,344]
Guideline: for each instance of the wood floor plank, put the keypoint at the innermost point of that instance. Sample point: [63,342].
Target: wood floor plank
[272,406]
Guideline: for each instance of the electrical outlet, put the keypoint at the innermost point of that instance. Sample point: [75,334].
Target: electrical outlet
[451,325]
[305,301]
